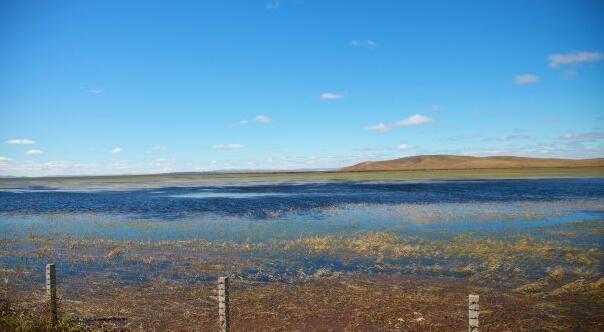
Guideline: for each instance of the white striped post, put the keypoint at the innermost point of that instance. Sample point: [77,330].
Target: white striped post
[51,291]
[223,304]
[473,311]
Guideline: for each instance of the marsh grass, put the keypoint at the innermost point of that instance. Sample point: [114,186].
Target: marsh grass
[376,275]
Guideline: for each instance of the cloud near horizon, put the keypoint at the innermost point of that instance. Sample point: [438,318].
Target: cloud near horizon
[573,58]
[413,120]
[583,137]
[506,138]
[117,149]
[20,141]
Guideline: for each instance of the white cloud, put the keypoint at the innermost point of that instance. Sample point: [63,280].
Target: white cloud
[505,138]
[413,120]
[34,152]
[583,137]
[4,159]
[526,79]
[573,58]
[331,96]
[97,91]
[93,91]
[228,146]
[364,43]
[416,119]
[464,137]
[260,118]
[403,146]
[117,149]
[379,127]
[119,166]
[159,147]
[20,141]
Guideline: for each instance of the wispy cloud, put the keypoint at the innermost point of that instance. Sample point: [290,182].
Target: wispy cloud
[570,73]
[93,91]
[34,152]
[403,146]
[159,147]
[379,127]
[464,137]
[414,120]
[331,96]
[583,137]
[506,138]
[117,149]
[551,119]
[526,79]
[228,146]
[20,141]
[573,58]
[260,119]
[4,159]
[364,43]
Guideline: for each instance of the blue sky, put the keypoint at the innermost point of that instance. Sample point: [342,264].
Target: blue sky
[112,87]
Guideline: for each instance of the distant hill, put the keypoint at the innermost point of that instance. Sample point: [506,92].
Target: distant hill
[432,162]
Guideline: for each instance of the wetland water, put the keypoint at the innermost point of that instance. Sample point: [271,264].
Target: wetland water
[266,213]
[541,233]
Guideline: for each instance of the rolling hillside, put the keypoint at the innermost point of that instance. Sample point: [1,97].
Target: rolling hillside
[432,162]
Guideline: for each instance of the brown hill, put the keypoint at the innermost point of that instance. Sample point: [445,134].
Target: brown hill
[428,162]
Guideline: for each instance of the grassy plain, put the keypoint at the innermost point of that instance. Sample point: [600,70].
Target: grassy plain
[190,179]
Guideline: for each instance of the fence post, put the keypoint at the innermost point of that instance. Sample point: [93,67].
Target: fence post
[51,291]
[473,311]
[223,304]
[7,289]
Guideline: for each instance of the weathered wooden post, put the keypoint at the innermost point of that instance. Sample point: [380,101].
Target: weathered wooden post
[223,303]
[51,291]
[473,310]
[7,289]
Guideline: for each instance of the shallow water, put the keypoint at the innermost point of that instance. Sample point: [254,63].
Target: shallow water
[419,211]
[202,211]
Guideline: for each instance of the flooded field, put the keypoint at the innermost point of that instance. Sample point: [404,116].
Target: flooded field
[311,254]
